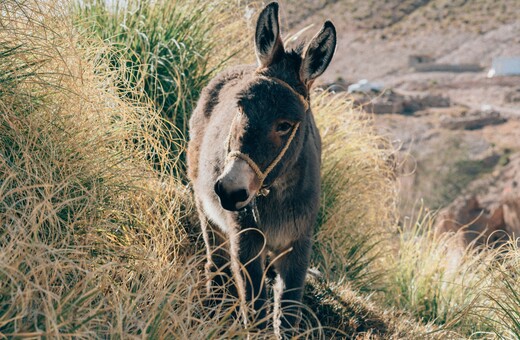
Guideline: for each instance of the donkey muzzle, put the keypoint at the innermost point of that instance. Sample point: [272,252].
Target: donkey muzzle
[237,186]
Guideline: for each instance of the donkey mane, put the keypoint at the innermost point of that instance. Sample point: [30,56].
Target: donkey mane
[210,94]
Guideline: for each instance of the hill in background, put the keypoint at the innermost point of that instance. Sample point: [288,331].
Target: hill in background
[453,127]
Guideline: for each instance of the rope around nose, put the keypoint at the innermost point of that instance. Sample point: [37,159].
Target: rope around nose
[262,175]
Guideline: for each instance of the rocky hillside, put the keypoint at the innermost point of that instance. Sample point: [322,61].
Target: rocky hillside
[455,128]
[376,37]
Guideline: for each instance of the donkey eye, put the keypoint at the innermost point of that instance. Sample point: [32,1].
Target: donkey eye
[283,127]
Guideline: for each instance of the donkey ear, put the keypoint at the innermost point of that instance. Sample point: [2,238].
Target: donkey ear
[268,44]
[318,53]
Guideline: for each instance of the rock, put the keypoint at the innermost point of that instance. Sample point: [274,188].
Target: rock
[386,104]
[391,101]
[472,120]
[456,68]
[417,59]
[340,85]
[379,103]
[479,225]
[420,102]
[364,86]
[513,96]
[425,63]
[512,216]
[491,216]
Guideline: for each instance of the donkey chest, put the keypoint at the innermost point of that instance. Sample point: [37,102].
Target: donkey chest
[285,222]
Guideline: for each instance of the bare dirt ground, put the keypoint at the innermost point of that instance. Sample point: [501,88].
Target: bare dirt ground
[376,39]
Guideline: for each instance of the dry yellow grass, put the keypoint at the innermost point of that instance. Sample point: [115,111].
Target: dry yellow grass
[97,239]
[464,290]
[358,192]
[91,233]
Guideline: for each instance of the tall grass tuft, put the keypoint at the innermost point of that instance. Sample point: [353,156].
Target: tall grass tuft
[503,315]
[91,235]
[467,290]
[358,193]
[169,49]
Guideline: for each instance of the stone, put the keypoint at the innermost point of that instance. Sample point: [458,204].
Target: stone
[472,120]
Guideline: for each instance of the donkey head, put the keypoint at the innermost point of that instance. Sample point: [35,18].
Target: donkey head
[272,111]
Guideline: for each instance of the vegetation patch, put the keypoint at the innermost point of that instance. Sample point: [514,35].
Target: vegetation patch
[97,231]
[166,50]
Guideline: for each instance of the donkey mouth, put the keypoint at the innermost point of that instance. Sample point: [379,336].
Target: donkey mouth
[233,206]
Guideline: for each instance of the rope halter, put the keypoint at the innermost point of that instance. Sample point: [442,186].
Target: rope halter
[262,175]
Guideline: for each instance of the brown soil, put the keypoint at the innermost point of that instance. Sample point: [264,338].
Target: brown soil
[375,40]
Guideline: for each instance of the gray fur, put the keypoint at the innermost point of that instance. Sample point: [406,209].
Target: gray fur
[286,216]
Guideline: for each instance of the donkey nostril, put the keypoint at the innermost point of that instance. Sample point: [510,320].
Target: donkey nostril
[240,195]
[218,187]
[230,197]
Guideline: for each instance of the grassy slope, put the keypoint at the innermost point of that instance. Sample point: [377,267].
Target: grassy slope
[167,50]
[82,211]
[95,237]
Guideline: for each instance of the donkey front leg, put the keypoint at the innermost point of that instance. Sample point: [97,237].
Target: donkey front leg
[247,267]
[217,268]
[252,257]
[292,269]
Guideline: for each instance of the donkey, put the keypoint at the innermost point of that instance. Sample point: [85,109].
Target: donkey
[254,162]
